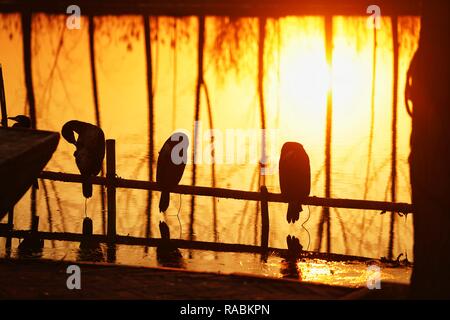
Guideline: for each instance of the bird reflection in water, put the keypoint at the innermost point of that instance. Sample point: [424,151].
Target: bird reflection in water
[90,249]
[31,246]
[289,268]
[167,254]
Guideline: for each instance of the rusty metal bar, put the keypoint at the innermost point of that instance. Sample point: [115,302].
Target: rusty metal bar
[235,194]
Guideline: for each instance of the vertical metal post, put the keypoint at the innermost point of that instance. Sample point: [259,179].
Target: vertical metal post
[111,198]
[111,187]
[10,228]
[35,224]
[264,223]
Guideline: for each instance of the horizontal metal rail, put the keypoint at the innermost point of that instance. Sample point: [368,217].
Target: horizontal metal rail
[181,244]
[233,194]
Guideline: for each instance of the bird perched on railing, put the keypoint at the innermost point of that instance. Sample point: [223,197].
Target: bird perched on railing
[21,121]
[295,178]
[171,163]
[90,150]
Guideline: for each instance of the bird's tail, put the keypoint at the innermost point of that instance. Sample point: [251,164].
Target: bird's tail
[87,188]
[164,201]
[293,213]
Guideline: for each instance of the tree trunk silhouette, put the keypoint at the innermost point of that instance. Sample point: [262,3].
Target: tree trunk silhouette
[151,114]
[395,48]
[430,153]
[91,32]
[325,219]
[200,52]
[27,20]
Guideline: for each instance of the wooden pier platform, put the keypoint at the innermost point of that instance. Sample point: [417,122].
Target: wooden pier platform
[46,279]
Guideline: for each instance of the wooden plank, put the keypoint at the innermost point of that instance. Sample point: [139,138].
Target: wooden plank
[236,194]
[23,154]
[250,8]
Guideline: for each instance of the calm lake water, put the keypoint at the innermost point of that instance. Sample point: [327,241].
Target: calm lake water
[297,79]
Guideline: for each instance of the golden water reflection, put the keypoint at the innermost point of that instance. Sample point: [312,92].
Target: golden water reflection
[296,81]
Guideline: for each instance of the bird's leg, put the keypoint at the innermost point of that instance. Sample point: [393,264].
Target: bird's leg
[178,216]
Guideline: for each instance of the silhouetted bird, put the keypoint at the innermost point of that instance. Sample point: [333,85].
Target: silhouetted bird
[171,163]
[295,178]
[21,121]
[90,150]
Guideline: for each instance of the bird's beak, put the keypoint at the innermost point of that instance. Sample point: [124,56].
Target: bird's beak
[12,118]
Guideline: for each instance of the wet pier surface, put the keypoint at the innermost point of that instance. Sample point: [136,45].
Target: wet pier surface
[22,279]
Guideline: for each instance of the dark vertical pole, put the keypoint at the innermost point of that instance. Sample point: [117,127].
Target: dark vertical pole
[328,133]
[260,84]
[27,56]
[35,224]
[213,165]
[200,51]
[111,196]
[33,201]
[262,21]
[264,223]
[49,211]
[3,100]
[4,115]
[394,134]
[151,131]
[27,63]
[91,32]
[93,70]
[11,219]
[174,79]
[111,188]
[8,243]
[372,127]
